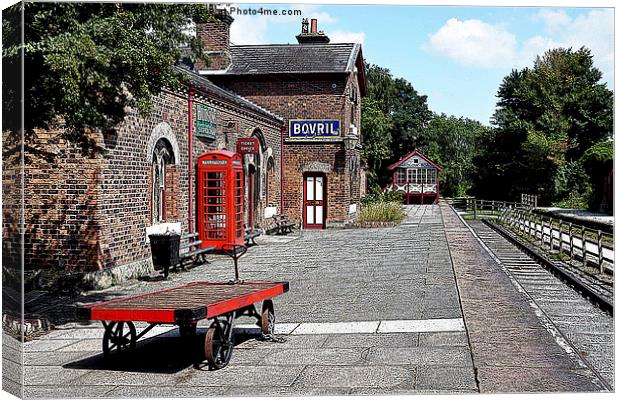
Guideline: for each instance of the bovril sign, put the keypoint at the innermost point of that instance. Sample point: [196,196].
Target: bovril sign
[314,129]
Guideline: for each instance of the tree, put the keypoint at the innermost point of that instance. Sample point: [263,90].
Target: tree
[546,117]
[88,64]
[410,116]
[376,145]
[451,142]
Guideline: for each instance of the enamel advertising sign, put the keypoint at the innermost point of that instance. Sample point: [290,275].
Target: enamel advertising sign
[314,129]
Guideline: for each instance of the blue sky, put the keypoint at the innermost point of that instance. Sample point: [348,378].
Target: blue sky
[455,55]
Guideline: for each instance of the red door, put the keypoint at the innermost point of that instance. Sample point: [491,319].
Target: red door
[315,201]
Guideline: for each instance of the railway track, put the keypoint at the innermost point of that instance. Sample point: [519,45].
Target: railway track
[587,329]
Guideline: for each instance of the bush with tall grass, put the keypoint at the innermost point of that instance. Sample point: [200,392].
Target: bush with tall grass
[382,206]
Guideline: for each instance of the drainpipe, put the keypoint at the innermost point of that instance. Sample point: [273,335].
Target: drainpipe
[282,172]
[190,117]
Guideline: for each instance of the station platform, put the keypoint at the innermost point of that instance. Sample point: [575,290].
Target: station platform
[418,308]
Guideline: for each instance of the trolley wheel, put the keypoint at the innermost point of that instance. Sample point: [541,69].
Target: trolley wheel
[218,348]
[119,338]
[186,330]
[268,318]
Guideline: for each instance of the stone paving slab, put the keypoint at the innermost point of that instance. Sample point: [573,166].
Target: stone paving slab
[446,379]
[248,376]
[166,391]
[390,340]
[78,392]
[445,355]
[395,377]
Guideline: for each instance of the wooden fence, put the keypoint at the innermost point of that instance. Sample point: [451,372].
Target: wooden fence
[577,242]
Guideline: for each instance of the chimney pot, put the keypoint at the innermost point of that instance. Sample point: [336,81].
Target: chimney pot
[313,25]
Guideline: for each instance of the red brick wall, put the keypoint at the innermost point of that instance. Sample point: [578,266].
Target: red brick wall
[215,37]
[61,193]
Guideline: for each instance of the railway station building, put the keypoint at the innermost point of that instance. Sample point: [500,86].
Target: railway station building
[92,211]
[316,87]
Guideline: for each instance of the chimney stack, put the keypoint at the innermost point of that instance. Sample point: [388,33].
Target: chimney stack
[215,38]
[312,37]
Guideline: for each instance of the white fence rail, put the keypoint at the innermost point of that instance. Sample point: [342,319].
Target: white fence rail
[577,242]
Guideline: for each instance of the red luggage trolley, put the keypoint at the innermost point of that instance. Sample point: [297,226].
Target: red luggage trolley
[220,199]
[185,306]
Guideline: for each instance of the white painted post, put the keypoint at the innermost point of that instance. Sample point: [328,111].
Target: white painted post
[560,242]
[570,239]
[600,251]
[584,254]
[550,234]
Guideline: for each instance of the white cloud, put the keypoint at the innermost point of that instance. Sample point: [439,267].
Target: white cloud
[477,43]
[249,30]
[473,42]
[346,37]
[553,19]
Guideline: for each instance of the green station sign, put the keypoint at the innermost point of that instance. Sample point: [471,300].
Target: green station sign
[206,122]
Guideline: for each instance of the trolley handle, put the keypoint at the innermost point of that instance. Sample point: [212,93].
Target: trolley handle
[234,251]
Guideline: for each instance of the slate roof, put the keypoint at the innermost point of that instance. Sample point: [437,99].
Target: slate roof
[206,86]
[292,58]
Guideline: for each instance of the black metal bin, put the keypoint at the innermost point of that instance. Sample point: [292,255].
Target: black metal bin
[165,251]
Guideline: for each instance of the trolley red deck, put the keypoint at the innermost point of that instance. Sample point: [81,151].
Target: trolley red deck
[185,306]
[182,304]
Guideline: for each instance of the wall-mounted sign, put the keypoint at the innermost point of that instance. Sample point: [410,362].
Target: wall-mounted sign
[247,146]
[314,129]
[410,163]
[214,162]
[206,122]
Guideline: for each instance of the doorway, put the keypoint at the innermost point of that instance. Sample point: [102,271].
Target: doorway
[315,201]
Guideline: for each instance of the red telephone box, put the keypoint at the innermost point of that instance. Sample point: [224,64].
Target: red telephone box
[220,199]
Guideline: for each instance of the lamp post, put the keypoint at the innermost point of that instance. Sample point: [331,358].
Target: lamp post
[350,143]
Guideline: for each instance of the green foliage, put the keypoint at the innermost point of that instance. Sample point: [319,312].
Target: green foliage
[451,142]
[377,138]
[381,212]
[376,195]
[599,157]
[598,163]
[92,63]
[574,200]
[546,118]
[571,179]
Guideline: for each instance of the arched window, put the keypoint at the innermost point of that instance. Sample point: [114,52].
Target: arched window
[163,155]
[268,173]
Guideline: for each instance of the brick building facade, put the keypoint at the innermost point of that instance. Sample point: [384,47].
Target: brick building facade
[92,210]
[310,84]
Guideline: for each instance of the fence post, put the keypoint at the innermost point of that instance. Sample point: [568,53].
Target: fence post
[600,251]
[475,208]
[550,234]
[560,242]
[570,238]
[584,253]
[542,232]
